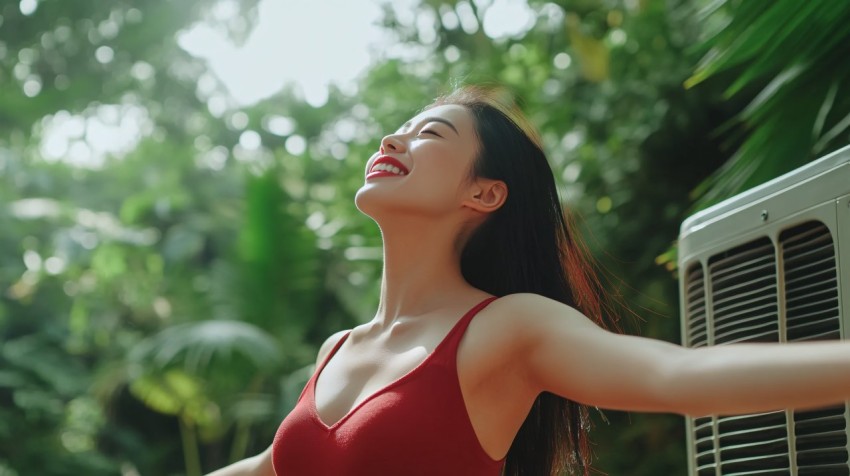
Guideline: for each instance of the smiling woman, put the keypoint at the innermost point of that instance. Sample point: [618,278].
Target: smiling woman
[435,149]
[489,342]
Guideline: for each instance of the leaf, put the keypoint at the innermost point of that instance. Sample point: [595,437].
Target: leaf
[782,79]
[794,54]
[169,393]
[38,354]
[196,343]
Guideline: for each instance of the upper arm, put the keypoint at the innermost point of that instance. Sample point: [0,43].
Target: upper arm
[567,354]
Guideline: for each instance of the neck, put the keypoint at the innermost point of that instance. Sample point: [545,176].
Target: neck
[421,269]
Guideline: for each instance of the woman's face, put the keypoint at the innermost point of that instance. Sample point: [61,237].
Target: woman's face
[423,167]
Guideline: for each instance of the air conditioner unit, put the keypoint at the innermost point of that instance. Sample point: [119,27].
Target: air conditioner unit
[771,264]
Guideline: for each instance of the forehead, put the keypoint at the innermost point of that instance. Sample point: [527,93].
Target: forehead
[458,116]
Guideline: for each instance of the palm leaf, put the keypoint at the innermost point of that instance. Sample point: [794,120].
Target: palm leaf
[196,343]
[794,54]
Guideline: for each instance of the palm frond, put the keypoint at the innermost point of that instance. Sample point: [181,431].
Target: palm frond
[794,55]
[196,343]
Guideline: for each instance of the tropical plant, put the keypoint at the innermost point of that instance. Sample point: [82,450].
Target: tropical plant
[788,59]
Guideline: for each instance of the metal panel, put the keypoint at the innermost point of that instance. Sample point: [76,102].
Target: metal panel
[745,276]
[817,183]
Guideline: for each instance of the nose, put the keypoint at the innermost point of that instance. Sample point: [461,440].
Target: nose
[392,143]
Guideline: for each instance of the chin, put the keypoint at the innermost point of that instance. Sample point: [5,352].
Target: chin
[366,201]
[376,205]
[384,203]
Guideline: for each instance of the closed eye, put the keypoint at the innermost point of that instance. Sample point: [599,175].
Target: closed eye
[429,131]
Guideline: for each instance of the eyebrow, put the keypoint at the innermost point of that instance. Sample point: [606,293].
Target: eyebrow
[434,119]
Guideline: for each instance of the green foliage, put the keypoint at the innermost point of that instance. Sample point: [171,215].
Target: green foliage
[161,306]
[788,59]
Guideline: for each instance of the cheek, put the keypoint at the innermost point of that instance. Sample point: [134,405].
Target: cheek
[443,177]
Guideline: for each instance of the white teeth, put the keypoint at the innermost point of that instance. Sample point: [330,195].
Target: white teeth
[384,167]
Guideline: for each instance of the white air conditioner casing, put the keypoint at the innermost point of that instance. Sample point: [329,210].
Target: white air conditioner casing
[771,264]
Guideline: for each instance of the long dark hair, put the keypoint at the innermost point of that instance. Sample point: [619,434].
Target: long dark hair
[529,245]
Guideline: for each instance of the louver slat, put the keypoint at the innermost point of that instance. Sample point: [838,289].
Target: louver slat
[813,313]
[697,327]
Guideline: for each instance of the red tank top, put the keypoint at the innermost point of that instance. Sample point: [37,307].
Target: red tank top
[416,425]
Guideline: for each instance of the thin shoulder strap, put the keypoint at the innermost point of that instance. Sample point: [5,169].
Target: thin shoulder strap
[456,334]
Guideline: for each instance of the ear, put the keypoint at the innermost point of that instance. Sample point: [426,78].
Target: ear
[486,195]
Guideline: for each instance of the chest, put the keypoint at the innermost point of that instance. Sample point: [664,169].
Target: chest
[416,427]
[362,370]
[468,376]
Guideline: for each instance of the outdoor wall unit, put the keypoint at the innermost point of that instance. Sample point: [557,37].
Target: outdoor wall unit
[771,264]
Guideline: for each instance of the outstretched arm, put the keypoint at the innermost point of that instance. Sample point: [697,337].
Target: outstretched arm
[567,354]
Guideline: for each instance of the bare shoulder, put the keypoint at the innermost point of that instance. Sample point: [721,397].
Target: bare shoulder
[513,322]
[529,302]
[524,321]
[523,312]
[498,344]
[329,344]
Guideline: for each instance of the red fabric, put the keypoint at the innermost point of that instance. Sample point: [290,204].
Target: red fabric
[417,425]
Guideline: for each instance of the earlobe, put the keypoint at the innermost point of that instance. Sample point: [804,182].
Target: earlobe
[488,196]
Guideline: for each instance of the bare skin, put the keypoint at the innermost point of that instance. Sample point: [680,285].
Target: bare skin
[524,344]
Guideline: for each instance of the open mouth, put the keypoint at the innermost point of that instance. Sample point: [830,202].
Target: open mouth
[386,166]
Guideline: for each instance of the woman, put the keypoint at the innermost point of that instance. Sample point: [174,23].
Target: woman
[480,358]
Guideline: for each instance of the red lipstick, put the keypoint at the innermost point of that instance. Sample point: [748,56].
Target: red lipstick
[385,159]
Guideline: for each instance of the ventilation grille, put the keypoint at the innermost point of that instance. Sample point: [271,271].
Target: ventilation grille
[811,283]
[813,313]
[753,444]
[744,294]
[744,306]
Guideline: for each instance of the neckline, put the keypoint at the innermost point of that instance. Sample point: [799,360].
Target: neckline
[314,408]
